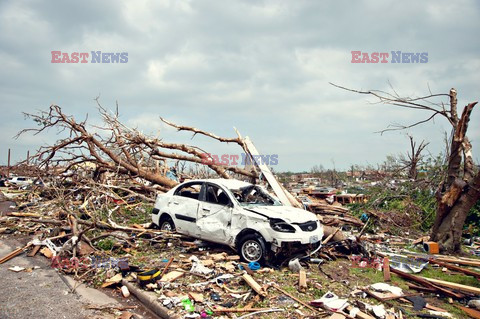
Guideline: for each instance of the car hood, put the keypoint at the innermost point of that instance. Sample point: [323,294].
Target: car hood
[287,213]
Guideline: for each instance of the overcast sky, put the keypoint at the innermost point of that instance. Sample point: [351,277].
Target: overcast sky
[263,67]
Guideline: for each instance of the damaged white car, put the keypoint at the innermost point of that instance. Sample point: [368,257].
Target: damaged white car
[238,214]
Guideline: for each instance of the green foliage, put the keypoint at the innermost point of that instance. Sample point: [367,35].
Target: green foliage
[412,197]
[395,204]
[406,203]
[472,223]
[426,201]
[105,244]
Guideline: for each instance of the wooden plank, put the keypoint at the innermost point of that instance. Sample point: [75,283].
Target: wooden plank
[458,261]
[294,298]
[434,308]
[456,268]
[14,253]
[302,280]
[166,267]
[197,297]
[255,286]
[47,252]
[383,297]
[233,257]
[471,312]
[426,283]
[34,251]
[360,314]
[453,285]
[412,286]
[386,269]
[330,236]
[233,310]
[272,181]
[172,276]
[23,214]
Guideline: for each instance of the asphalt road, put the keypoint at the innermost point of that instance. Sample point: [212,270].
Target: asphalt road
[37,294]
[42,293]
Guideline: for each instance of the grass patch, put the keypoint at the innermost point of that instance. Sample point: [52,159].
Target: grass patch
[105,244]
[437,273]
[368,276]
[456,312]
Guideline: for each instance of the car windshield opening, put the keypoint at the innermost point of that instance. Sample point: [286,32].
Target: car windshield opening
[254,195]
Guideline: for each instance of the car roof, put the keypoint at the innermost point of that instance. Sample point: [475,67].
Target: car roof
[228,183]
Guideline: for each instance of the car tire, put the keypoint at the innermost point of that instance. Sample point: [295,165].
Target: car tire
[166,223]
[252,248]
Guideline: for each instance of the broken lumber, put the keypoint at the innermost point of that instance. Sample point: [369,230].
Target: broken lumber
[34,251]
[172,276]
[294,298]
[465,262]
[386,297]
[233,310]
[471,312]
[452,285]
[456,268]
[302,280]
[254,285]
[14,253]
[23,214]
[386,269]
[360,314]
[426,283]
[166,267]
[47,252]
[330,236]
[420,288]
[330,209]
[197,297]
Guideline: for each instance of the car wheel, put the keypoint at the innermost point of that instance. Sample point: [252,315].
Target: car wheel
[166,223]
[252,248]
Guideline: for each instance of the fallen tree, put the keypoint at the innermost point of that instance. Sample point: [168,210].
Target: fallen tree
[116,148]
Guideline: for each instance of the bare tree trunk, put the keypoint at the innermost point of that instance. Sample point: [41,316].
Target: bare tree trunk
[460,191]
[452,212]
[414,157]
[461,188]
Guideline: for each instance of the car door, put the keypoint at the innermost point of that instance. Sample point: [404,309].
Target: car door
[215,214]
[183,207]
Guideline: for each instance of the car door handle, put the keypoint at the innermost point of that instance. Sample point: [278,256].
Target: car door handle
[206,209]
[176,203]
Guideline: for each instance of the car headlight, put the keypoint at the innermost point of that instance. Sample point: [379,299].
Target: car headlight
[281,226]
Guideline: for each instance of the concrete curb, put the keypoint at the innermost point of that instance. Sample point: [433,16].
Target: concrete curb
[150,302]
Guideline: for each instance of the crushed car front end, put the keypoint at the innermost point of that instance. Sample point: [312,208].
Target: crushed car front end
[287,235]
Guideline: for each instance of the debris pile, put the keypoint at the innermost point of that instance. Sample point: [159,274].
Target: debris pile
[94,225]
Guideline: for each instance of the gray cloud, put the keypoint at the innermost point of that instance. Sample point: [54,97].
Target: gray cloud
[261,66]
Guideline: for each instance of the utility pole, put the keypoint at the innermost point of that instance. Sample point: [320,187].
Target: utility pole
[8,164]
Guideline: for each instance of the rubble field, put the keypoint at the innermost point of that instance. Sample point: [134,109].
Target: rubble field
[103,237]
